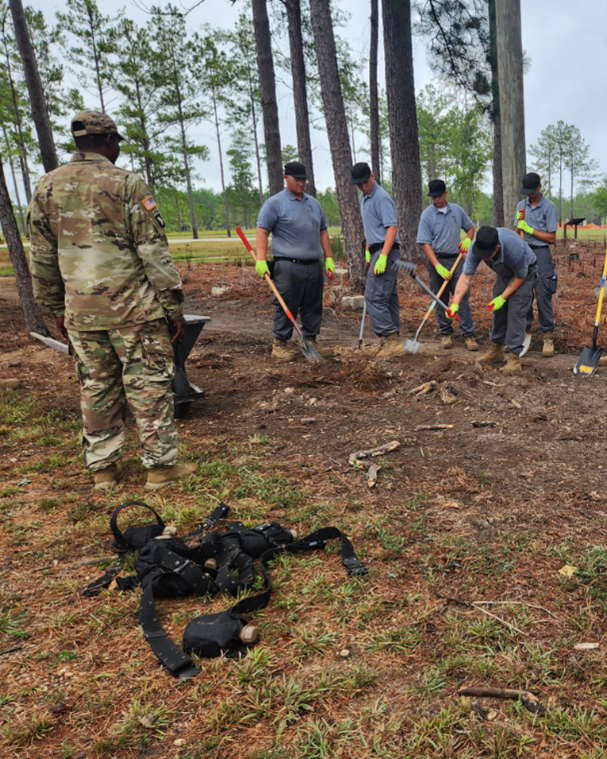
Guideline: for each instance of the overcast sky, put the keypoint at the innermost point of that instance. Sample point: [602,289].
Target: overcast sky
[566,42]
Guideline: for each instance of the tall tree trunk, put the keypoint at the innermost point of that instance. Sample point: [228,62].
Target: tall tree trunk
[267,84]
[512,104]
[498,187]
[18,121]
[178,214]
[34,88]
[337,132]
[223,182]
[300,97]
[256,140]
[373,90]
[15,183]
[96,57]
[31,310]
[402,114]
[186,164]
[549,173]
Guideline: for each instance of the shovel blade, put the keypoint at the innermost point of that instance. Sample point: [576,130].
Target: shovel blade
[588,361]
[310,351]
[412,346]
[526,344]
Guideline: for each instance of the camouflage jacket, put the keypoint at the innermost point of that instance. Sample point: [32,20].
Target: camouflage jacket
[99,254]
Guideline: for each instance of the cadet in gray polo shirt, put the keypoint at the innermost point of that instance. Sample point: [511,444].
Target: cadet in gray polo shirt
[536,218]
[439,235]
[381,295]
[299,240]
[515,265]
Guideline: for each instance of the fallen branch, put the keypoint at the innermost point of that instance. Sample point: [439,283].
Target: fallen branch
[372,475]
[484,424]
[499,619]
[423,389]
[526,697]
[433,427]
[523,603]
[10,650]
[371,453]
[83,563]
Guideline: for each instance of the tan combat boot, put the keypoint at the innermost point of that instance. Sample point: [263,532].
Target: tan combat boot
[495,355]
[10,384]
[280,352]
[513,366]
[392,349]
[446,342]
[161,476]
[548,349]
[105,479]
[324,351]
[471,343]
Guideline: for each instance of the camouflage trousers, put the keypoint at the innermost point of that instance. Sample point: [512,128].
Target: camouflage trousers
[135,367]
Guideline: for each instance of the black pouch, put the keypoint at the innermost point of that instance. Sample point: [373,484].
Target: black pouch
[211,635]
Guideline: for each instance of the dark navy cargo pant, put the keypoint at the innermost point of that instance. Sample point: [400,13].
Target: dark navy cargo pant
[509,322]
[544,289]
[381,296]
[445,325]
[301,286]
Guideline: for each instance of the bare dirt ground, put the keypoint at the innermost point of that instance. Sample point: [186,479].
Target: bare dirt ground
[497,485]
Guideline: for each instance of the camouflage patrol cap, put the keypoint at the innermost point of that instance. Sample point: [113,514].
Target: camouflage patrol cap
[94,122]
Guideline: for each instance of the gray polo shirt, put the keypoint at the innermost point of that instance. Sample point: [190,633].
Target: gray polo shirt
[295,225]
[513,260]
[542,218]
[442,230]
[379,213]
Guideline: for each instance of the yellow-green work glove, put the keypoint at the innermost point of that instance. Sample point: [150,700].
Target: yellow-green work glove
[464,245]
[442,271]
[329,268]
[520,215]
[525,227]
[496,304]
[261,267]
[451,312]
[380,265]
[368,258]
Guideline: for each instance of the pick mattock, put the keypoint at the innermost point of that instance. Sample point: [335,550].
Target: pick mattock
[589,360]
[309,350]
[412,346]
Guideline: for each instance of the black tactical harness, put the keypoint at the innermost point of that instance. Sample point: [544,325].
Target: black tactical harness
[167,566]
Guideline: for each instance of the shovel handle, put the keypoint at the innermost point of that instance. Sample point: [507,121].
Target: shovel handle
[440,292]
[268,279]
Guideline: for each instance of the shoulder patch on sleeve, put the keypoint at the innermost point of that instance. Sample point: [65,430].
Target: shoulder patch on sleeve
[148,203]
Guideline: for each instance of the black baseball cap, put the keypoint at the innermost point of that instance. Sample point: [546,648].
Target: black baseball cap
[486,241]
[436,188]
[295,170]
[530,183]
[360,173]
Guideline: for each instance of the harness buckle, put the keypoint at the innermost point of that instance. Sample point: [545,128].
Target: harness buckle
[355,566]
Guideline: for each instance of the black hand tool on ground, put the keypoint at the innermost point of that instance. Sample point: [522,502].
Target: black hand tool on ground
[589,360]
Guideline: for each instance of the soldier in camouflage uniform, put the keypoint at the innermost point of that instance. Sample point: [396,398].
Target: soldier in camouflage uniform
[100,262]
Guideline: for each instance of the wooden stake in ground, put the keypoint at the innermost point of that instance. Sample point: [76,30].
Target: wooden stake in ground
[31,310]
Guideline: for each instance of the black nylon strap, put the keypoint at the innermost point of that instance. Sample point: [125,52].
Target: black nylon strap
[118,536]
[168,653]
[94,588]
[191,573]
[219,513]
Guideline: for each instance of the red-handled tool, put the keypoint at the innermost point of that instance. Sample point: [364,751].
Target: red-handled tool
[308,349]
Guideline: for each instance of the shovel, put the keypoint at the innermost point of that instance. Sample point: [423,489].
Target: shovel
[410,269]
[362,326]
[310,351]
[412,346]
[589,360]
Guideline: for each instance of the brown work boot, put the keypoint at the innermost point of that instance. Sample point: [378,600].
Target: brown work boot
[280,352]
[161,476]
[324,350]
[495,355]
[10,384]
[548,349]
[471,343]
[513,366]
[373,349]
[105,479]
[392,348]
[446,342]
